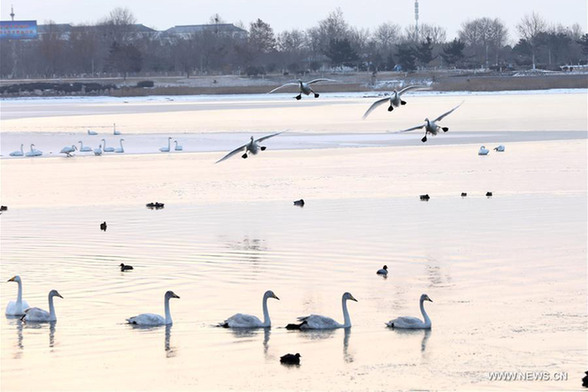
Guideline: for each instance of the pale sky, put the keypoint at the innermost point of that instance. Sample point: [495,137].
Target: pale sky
[302,14]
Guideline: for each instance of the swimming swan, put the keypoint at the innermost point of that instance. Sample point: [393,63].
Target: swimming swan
[84,148]
[431,126]
[115,132]
[483,151]
[37,315]
[17,308]
[17,153]
[155,319]
[121,149]
[92,133]
[178,147]
[166,149]
[252,147]
[98,151]
[34,152]
[413,322]
[241,320]
[106,149]
[394,99]
[303,87]
[315,321]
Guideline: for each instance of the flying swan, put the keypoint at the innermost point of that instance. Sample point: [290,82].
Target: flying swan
[431,126]
[413,322]
[303,87]
[252,147]
[17,308]
[394,99]
[36,315]
[155,319]
[315,321]
[241,320]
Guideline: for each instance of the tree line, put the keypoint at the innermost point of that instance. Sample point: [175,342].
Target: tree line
[114,46]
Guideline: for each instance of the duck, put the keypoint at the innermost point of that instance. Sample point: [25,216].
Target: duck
[299,203]
[84,148]
[17,153]
[488,194]
[431,126]
[106,149]
[103,226]
[483,151]
[315,321]
[98,151]
[67,150]
[36,315]
[383,271]
[303,87]
[120,150]
[92,133]
[18,307]
[290,359]
[178,147]
[251,147]
[413,322]
[150,319]
[241,320]
[124,267]
[166,149]
[464,194]
[155,205]
[394,100]
[499,148]
[425,197]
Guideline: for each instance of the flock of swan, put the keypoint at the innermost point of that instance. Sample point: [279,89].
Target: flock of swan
[20,308]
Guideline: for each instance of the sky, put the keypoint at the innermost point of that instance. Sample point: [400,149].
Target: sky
[302,14]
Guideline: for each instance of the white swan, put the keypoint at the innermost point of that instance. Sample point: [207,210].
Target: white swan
[241,320]
[413,322]
[394,99]
[178,147]
[431,126]
[121,149]
[37,315]
[17,153]
[17,308]
[98,151]
[106,149]
[92,133]
[252,147]
[499,148]
[315,321]
[84,148]
[155,319]
[303,87]
[115,132]
[166,149]
[383,271]
[483,151]
[34,152]
[67,150]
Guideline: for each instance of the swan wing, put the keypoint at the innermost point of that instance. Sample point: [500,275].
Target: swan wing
[36,314]
[268,136]
[410,129]
[316,321]
[241,320]
[146,319]
[406,322]
[320,80]
[447,113]
[411,88]
[284,85]
[375,105]
[236,150]
[13,310]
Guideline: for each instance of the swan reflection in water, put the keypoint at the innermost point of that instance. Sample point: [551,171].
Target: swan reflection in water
[407,333]
[244,333]
[170,351]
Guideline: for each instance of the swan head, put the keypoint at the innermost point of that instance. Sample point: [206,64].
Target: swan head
[425,297]
[347,296]
[170,294]
[15,278]
[270,294]
[54,293]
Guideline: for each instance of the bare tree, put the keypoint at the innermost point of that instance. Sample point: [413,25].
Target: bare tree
[261,37]
[386,36]
[437,34]
[483,37]
[530,28]
[332,27]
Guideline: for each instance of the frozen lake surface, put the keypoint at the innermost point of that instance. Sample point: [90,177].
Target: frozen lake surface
[507,274]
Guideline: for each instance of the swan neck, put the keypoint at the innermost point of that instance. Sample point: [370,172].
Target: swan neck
[424,313]
[52,316]
[168,319]
[266,317]
[19,294]
[346,318]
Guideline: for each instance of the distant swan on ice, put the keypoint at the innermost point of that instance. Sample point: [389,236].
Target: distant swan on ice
[121,149]
[483,151]
[178,147]
[499,148]
[166,149]
[17,153]
[106,149]
[84,148]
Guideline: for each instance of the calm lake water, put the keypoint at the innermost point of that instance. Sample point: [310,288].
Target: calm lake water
[507,275]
